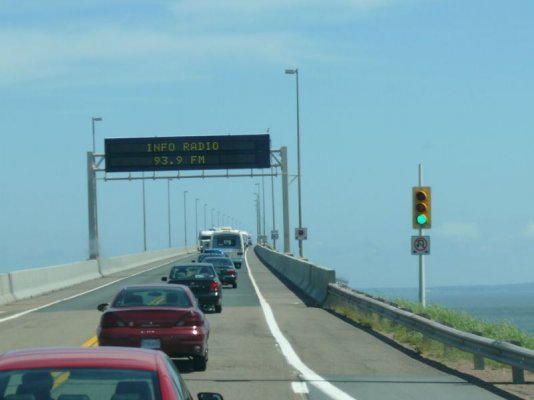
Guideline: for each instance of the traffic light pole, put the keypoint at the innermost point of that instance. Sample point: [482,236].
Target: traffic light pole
[422,286]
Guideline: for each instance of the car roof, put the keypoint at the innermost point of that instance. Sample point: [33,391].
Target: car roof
[81,357]
[194,264]
[205,259]
[154,286]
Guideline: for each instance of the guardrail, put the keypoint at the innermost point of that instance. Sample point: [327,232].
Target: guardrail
[517,357]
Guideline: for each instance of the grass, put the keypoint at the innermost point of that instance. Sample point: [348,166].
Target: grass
[503,331]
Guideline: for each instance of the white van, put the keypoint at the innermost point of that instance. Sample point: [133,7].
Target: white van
[231,242]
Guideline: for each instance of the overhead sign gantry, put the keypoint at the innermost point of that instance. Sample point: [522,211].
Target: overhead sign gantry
[188,153]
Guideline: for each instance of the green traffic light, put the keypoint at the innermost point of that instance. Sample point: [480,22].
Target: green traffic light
[421,219]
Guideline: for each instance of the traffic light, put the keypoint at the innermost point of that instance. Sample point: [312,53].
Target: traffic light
[422,216]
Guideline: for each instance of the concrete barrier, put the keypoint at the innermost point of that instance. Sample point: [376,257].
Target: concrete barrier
[312,279]
[32,282]
[6,295]
[121,263]
[28,283]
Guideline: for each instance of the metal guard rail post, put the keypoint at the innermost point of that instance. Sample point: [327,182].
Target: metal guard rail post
[517,357]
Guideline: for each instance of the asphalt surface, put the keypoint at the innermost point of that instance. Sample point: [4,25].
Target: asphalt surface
[271,346]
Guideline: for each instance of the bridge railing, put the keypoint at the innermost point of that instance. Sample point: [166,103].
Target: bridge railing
[517,357]
[320,285]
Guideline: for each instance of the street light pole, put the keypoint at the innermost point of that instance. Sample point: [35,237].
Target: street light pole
[169,208]
[258,213]
[144,212]
[205,205]
[263,200]
[196,217]
[272,201]
[296,73]
[94,143]
[185,218]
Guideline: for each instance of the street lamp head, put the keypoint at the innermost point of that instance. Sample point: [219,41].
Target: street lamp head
[97,118]
[292,71]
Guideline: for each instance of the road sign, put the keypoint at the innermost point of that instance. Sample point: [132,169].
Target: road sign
[420,245]
[301,233]
[188,153]
[274,234]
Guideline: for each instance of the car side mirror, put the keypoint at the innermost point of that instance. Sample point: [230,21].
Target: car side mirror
[102,307]
[210,396]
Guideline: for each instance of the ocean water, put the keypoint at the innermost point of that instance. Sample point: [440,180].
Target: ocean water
[511,303]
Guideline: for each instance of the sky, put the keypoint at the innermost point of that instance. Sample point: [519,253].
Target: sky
[385,86]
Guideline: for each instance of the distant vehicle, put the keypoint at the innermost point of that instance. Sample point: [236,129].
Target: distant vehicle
[211,253]
[80,373]
[164,317]
[247,240]
[225,269]
[204,239]
[203,281]
[231,241]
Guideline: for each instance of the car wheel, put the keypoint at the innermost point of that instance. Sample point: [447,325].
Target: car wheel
[218,308]
[200,363]
[234,285]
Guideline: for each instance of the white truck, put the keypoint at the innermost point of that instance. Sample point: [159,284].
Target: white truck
[204,238]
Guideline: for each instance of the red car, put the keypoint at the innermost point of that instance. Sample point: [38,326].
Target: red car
[82,373]
[164,317]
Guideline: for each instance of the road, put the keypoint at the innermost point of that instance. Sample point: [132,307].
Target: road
[266,343]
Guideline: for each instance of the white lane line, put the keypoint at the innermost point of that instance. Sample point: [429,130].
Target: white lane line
[300,387]
[293,359]
[14,316]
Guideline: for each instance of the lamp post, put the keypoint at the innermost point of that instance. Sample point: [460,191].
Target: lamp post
[185,218]
[296,73]
[263,200]
[95,119]
[205,205]
[144,212]
[272,201]
[258,213]
[196,216]
[212,225]
[169,208]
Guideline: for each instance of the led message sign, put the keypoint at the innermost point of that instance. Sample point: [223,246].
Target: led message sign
[188,153]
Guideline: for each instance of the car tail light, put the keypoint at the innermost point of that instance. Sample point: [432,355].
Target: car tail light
[191,319]
[112,320]
[214,286]
[229,272]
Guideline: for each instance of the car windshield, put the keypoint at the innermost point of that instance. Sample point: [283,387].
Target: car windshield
[79,384]
[192,272]
[227,241]
[219,262]
[172,297]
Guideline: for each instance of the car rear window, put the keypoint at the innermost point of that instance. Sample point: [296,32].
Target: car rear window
[192,272]
[80,383]
[173,297]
